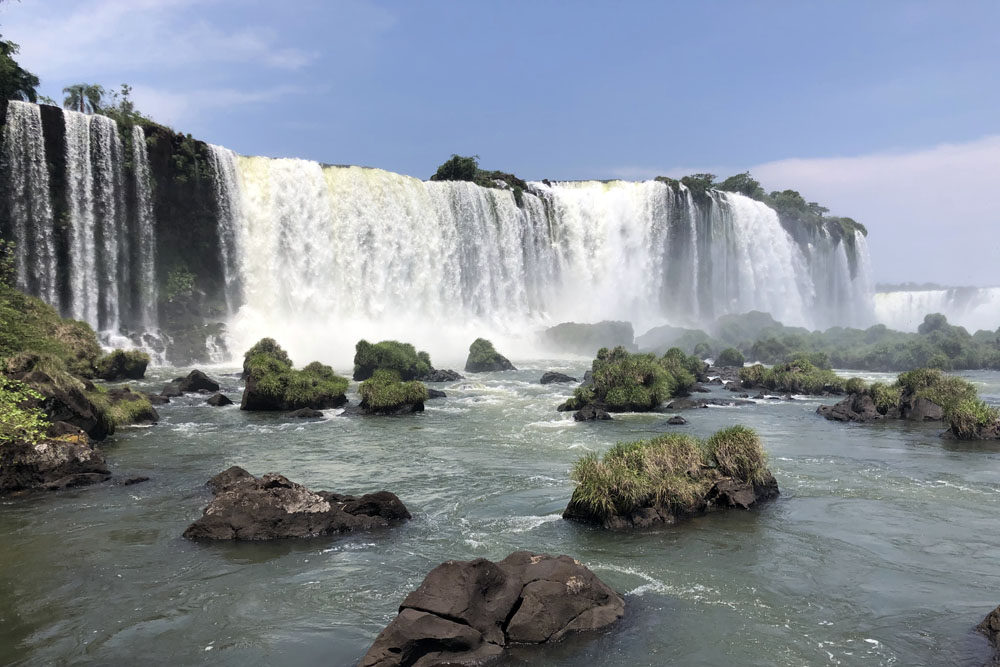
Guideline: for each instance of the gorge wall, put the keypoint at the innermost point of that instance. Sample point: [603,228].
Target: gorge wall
[157,238]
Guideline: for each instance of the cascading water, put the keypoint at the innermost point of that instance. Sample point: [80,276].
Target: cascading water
[148,294]
[970,307]
[230,211]
[29,208]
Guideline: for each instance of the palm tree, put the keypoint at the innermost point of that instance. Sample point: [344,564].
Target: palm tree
[83,97]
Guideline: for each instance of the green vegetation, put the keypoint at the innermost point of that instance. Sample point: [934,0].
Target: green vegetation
[83,97]
[730,357]
[121,407]
[969,416]
[28,324]
[119,364]
[674,471]
[461,168]
[20,420]
[16,83]
[795,377]
[945,390]
[275,385]
[180,284]
[483,357]
[385,392]
[392,355]
[625,382]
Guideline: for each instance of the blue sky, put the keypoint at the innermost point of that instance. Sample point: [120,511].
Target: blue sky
[885,111]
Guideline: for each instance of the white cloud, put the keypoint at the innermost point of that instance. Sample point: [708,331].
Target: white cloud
[184,108]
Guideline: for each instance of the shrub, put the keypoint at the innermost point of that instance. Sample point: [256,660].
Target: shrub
[945,390]
[402,358]
[969,416]
[119,364]
[268,347]
[753,376]
[385,392]
[730,357]
[703,350]
[886,397]
[274,385]
[20,419]
[673,470]
[855,386]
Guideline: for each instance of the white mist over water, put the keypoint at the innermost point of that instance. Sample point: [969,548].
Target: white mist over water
[30,211]
[970,307]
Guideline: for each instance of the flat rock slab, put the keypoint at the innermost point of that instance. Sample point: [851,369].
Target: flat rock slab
[272,507]
[466,612]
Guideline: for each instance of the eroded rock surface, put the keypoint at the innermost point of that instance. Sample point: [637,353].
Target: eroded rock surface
[466,612]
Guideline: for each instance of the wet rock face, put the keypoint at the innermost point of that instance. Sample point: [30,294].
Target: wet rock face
[194,382]
[591,413]
[442,376]
[272,507]
[63,461]
[990,627]
[68,404]
[551,376]
[219,400]
[466,612]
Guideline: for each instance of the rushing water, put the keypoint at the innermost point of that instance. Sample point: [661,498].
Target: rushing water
[147,292]
[881,550]
[970,307]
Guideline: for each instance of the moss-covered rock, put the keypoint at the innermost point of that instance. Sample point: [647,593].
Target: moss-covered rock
[122,365]
[391,355]
[484,358]
[796,377]
[273,385]
[649,482]
[124,406]
[384,393]
[972,419]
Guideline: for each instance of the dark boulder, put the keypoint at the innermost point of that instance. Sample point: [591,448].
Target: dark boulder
[435,393]
[65,400]
[132,407]
[990,627]
[306,413]
[122,365]
[921,409]
[194,382]
[157,399]
[591,413]
[854,408]
[484,358]
[272,507]
[466,612]
[442,376]
[129,481]
[55,463]
[677,420]
[551,376]
[699,388]
[219,400]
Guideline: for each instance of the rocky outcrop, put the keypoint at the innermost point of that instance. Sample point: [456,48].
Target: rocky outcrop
[725,493]
[677,420]
[442,376]
[131,408]
[550,377]
[591,413]
[272,507]
[65,459]
[65,400]
[466,612]
[122,365]
[484,358]
[193,383]
[691,403]
[435,393]
[861,407]
[219,400]
[990,626]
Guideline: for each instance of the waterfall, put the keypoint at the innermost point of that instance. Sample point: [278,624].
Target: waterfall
[230,212]
[148,294]
[29,208]
[970,307]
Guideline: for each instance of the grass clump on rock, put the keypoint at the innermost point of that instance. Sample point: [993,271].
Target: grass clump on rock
[122,364]
[392,355]
[272,383]
[796,377]
[483,357]
[386,393]
[658,480]
[972,419]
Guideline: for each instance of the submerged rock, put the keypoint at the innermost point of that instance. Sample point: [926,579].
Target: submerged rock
[272,507]
[441,376]
[591,413]
[854,408]
[194,382]
[690,403]
[435,393]
[306,413]
[219,400]
[550,377]
[466,612]
[677,420]
[66,460]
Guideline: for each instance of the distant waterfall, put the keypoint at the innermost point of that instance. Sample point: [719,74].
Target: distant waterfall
[970,307]
[148,294]
[29,207]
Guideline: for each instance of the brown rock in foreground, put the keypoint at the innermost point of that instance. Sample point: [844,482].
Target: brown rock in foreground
[272,507]
[64,460]
[466,612]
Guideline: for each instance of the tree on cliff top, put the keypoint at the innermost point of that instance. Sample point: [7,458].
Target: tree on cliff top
[83,97]
[16,83]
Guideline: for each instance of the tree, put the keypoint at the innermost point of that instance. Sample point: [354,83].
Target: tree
[15,83]
[745,184]
[458,168]
[83,97]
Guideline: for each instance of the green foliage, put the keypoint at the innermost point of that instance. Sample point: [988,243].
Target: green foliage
[795,377]
[122,109]
[699,184]
[385,392]
[969,416]
[312,383]
[674,470]
[117,363]
[946,390]
[124,408]
[402,358]
[180,284]
[886,397]
[855,386]
[482,352]
[20,418]
[703,350]
[730,357]
[83,97]
[28,324]
[745,184]
[276,380]
[737,452]
[625,382]
[462,168]
[16,83]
